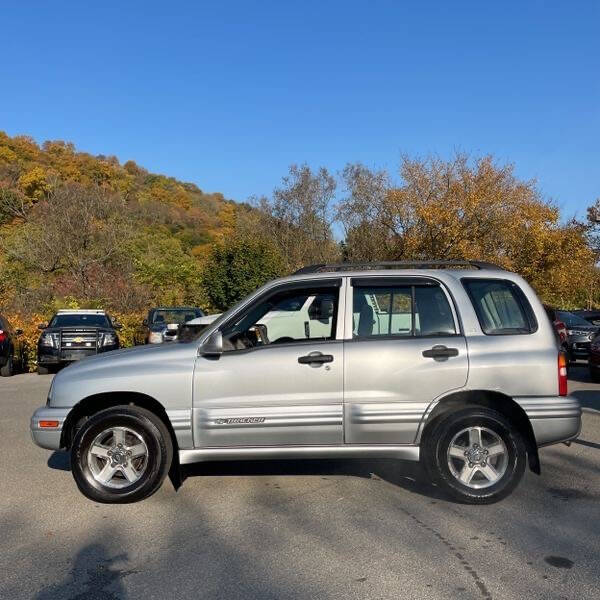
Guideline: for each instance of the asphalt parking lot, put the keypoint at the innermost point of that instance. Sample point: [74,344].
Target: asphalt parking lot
[312,529]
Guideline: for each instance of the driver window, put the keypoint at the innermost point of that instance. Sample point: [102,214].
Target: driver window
[285,317]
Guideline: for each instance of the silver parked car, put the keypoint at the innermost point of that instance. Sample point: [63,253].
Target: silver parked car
[452,363]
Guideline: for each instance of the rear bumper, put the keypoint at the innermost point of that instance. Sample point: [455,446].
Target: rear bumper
[554,419]
[48,437]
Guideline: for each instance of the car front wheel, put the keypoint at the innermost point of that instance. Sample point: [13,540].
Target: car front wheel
[475,455]
[121,455]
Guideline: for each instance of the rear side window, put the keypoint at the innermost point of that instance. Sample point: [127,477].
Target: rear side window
[501,306]
[402,310]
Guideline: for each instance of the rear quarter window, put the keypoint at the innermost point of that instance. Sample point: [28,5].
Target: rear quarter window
[501,306]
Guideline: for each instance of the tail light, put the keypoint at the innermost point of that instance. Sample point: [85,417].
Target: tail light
[562,330]
[2,336]
[562,374]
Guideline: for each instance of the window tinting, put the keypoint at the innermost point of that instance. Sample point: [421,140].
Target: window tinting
[81,320]
[501,307]
[432,312]
[179,316]
[571,319]
[403,310]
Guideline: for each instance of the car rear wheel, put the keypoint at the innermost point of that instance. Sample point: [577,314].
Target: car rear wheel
[7,369]
[475,455]
[41,370]
[121,454]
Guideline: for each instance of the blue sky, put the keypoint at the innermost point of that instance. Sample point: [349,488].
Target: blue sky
[228,94]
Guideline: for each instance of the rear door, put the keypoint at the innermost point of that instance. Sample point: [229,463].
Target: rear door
[406,350]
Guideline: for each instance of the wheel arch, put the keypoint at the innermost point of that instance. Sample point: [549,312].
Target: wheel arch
[93,404]
[489,399]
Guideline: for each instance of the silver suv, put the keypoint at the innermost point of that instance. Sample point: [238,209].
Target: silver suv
[452,363]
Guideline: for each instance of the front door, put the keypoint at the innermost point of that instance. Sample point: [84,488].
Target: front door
[279,380]
[406,350]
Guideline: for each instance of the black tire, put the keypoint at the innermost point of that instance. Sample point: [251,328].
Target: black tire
[43,370]
[7,369]
[146,425]
[594,374]
[438,462]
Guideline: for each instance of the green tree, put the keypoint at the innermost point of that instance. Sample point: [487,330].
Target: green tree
[162,266]
[237,268]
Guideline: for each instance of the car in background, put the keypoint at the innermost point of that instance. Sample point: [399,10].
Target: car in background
[75,334]
[162,323]
[580,334]
[592,316]
[559,327]
[594,360]
[12,349]
[192,329]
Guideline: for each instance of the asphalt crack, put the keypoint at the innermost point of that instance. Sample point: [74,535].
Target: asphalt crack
[468,568]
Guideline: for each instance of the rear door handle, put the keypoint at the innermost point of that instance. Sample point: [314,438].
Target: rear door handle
[315,358]
[440,352]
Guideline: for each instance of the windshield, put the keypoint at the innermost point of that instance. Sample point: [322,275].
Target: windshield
[82,320]
[175,315]
[571,320]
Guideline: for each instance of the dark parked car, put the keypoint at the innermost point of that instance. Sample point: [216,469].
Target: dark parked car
[74,334]
[579,334]
[592,316]
[12,349]
[162,323]
[594,359]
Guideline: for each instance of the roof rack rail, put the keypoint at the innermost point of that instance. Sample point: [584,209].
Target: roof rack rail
[411,264]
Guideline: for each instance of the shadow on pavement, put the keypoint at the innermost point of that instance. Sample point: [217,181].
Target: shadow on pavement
[588,398]
[588,444]
[405,474]
[60,461]
[580,373]
[93,572]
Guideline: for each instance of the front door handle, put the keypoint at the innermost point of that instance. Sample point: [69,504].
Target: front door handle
[440,352]
[315,358]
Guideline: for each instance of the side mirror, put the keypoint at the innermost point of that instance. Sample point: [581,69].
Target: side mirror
[42,325]
[117,325]
[213,346]
[145,322]
[18,331]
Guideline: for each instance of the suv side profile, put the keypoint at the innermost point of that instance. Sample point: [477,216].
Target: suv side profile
[453,363]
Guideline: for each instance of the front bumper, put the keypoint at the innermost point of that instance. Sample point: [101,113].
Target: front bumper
[48,437]
[579,347]
[554,419]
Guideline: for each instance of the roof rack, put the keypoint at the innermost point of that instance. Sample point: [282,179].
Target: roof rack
[412,264]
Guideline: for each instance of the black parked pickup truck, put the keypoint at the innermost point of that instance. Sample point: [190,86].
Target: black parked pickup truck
[74,334]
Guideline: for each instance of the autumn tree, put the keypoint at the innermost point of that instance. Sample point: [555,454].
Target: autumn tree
[298,216]
[462,208]
[75,237]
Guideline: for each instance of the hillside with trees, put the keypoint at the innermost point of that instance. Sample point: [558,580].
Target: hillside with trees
[87,231]
[86,228]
